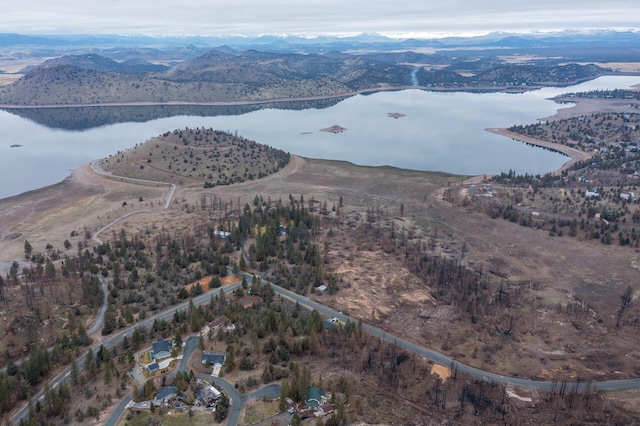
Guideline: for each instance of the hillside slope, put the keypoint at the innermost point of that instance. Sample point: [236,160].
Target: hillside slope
[220,76]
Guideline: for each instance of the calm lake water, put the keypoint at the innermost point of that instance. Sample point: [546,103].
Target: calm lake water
[440,132]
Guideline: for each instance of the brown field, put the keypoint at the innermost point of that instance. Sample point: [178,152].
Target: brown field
[621,66]
[10,67]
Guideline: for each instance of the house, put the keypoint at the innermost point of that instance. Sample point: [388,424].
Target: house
[321,288]
[218,322]
[208,394]
[315,397]
[591,193]
[164,394]
[161,349]
[214,325]
[153,367]
[213,359]
[222,234]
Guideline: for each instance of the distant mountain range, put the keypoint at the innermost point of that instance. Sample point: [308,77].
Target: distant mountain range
[323,43]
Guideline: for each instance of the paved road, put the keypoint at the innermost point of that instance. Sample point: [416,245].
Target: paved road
[114,418]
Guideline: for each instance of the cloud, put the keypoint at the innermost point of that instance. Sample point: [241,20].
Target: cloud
[218,17]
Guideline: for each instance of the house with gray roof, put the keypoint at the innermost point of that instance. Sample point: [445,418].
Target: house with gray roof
[153,367]
[213,359]
[164,394]
[161,348]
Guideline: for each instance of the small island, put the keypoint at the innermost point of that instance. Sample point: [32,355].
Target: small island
[334,129]
[16,145]
[396,115]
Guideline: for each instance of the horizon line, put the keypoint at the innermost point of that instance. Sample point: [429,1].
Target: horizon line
[311,36]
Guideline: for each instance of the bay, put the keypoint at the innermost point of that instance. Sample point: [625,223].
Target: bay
[441,131]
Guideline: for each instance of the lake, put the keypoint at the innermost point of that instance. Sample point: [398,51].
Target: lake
[441,131]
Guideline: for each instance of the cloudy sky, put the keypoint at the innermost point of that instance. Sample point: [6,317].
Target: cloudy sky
[389,17]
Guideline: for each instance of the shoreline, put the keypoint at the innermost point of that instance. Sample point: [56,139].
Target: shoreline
[574,154]
[475,89]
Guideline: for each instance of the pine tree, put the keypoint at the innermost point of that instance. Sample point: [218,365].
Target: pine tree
[28,249]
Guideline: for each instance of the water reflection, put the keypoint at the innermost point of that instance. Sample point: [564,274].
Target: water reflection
[439,131]
[85,118]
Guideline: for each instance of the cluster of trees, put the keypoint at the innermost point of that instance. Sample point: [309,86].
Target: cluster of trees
[611,131]
[606,94]
[149,272]
[16,383]
[212,156]
[284,242]
[607,229]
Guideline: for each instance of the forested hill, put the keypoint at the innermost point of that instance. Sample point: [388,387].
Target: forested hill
[220,76]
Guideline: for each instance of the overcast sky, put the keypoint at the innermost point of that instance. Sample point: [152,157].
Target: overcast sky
[311,17]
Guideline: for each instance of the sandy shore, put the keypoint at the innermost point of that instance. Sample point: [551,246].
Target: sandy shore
[575,154]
